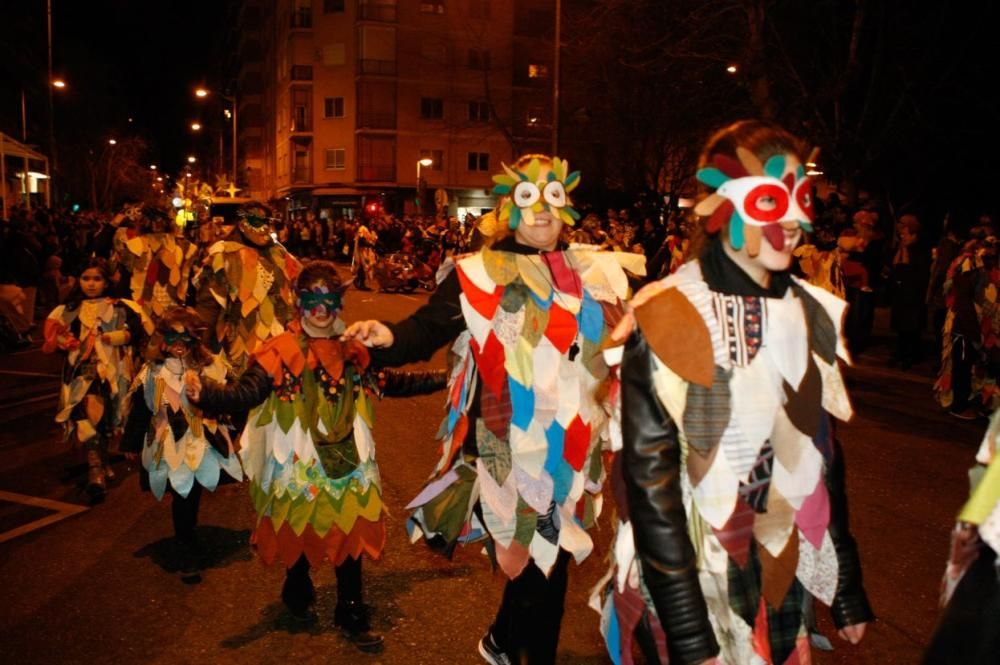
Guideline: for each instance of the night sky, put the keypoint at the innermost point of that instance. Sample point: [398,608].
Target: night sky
[120,59]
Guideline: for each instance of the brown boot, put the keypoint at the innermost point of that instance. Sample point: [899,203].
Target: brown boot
[96,485]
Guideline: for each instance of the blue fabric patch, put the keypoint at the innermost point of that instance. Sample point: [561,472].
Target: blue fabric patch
[555,435]
[207,472]
[522,404]
[542,304]
[562,482]
[182,480]
[712,177]
[591,318]
[736,231]
[612,634]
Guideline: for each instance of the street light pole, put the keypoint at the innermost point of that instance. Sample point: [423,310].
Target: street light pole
[24,148]
[555,79]
[52,123]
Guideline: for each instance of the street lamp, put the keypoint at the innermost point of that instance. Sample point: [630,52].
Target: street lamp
[152,167]
[59,83]
[731,69]
[426,161]
[195,126]
[112,142]
[192,159]
[202,93]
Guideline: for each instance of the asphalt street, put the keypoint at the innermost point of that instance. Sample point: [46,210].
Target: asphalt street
[99,585]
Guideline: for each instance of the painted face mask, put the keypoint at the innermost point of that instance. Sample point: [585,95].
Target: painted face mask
[529,192]
[255,221]
[171,337]
[319,297]
[758,200]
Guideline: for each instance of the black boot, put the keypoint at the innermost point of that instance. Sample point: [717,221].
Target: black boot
[298,592]
[351,614]
[352,617]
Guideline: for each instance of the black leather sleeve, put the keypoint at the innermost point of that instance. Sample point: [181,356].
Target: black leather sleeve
[850,605]
[652,468]
[404,384]
[426,330]
[252,388]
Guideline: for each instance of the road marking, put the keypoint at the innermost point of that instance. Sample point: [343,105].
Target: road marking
[14,372]
[62,511]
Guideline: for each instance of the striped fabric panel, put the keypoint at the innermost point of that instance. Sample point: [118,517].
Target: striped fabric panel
[699,296]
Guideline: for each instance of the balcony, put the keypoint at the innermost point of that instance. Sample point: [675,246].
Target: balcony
[368,120]
[301,175]
[302,19]
[376,172]
[378,67]
[372,10]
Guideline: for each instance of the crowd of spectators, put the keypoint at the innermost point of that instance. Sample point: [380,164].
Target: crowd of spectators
[863,253]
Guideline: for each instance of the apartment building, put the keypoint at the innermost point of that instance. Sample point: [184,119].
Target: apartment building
[339,100]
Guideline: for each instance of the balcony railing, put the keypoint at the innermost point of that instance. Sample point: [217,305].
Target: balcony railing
[379,67]
[301,175]
[376,172]
[302,18]
[376,120]
[377,11]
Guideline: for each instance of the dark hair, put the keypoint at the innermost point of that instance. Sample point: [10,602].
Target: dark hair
[319,271]
[193,325]
[76,296]
[764,139]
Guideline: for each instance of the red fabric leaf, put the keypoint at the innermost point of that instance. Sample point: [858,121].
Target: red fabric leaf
[719,217]
[562,327]
[575,443]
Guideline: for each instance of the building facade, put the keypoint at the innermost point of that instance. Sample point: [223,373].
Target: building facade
[339,100]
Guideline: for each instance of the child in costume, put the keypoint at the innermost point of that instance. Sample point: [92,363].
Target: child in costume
[245,289]
[97,334]
[156,261]
[522,438]
[308,448]
[182,449]
[731,484]
[968,632]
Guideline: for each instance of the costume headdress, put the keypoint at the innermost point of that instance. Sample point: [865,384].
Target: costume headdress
[757,199]
[527,192]
[255,217]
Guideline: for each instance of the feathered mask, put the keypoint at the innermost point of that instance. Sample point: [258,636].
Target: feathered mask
[528,192]
[756,199]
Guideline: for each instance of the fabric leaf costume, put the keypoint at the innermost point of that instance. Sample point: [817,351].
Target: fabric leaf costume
[247,294]
[160,267]
[731,481]
[523,430]
[97,373]
[180,444]
[308,448]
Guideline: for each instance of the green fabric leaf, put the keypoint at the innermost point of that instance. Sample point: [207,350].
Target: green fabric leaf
[712,177]
[286,415]
[526,520]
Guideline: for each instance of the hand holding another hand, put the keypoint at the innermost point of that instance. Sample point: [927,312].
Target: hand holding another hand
[370,333]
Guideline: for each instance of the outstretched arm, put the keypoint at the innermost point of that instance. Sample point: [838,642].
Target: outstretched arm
[403,384]
[252,388]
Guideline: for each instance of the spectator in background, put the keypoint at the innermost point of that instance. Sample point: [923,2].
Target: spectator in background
[908,285]
[953,235]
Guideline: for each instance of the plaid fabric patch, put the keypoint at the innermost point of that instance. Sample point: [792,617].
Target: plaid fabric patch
[783,624]
[755,490]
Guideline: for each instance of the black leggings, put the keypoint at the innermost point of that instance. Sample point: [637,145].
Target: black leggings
[530,615]
[185,511]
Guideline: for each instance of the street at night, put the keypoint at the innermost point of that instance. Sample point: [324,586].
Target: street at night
[98,586]
[675,325]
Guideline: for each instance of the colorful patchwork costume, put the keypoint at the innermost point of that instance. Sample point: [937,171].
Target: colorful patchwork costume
[160,267]
[245,292]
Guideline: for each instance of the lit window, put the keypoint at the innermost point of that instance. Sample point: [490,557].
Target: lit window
[335,158]
[538,71]
[479,161]
[432,7]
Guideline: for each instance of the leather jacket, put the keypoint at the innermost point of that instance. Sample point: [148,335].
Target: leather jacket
[652,472]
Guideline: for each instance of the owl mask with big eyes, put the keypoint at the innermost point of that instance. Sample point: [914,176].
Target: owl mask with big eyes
[529,192]
[758,200]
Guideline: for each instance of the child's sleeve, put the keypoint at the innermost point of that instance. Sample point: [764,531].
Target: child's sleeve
[252,388]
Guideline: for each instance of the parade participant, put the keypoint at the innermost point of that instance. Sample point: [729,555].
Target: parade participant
[97,334]
[522,438]
[732,495]
[309,452]
[181,448]
[968,632]
[156,264]
[364,257]
[245,291]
